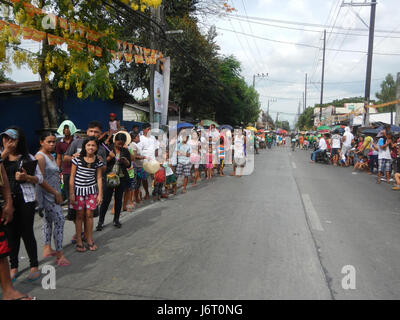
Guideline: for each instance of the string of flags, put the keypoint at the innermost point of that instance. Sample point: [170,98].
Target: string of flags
[129,51]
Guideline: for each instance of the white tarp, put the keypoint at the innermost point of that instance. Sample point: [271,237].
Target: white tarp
[377,117]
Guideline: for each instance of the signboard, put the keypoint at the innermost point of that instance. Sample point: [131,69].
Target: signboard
[158,92]
[166,74]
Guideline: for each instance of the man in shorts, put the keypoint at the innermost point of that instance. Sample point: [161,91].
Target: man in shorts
[184,165]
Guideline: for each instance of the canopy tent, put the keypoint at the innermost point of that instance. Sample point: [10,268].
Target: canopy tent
[207,123]
[322,128]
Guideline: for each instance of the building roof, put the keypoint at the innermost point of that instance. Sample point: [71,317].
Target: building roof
[19,87]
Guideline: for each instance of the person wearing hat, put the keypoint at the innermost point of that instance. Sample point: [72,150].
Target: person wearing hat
[114,124]
[67,129]
[15,156]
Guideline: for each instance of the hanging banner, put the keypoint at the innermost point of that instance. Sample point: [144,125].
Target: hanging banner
[166,75]
[158,92]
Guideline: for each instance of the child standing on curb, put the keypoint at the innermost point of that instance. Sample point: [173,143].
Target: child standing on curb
[170,179]
[209,165]
[86,191]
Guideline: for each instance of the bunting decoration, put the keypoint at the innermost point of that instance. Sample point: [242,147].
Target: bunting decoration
[126,50]
[27,33]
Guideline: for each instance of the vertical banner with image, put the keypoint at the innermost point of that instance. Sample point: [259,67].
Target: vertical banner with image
[166,74]
[158,92]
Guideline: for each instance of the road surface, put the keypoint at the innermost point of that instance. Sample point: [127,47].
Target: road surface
[284,232]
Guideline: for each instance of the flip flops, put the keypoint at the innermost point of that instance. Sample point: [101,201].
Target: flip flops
[26,298]
[82,247]
[92,247]
[62,263]
[15,277]
[33,276]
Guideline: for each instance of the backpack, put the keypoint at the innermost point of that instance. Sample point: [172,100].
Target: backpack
[159,176]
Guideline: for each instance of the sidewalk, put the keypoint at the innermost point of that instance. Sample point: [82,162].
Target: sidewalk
[69,229]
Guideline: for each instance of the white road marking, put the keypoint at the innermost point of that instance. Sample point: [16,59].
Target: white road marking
[294,165]
[311,213]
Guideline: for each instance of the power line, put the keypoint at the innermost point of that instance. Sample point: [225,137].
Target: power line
[302,23]
[251,30]
[307,45]
[248,44]
[310,30]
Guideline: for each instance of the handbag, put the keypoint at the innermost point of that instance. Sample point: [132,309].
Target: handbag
[112,179]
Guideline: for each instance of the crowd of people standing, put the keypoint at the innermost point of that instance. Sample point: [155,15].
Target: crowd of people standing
[85,174]
[376,154]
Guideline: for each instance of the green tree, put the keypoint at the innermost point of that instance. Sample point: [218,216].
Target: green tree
[285,125]
[387,93]
[306,119]
[3,77]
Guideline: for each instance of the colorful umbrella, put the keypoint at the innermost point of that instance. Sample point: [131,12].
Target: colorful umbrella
[184,125]
[252,129]
[226,126]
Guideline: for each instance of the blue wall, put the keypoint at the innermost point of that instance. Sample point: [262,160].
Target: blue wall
[24,111]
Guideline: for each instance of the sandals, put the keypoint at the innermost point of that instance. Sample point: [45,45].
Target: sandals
[92,247]
[26,298]
[62,262]
[80,248]
[73,241]
[16,275]
[33,276]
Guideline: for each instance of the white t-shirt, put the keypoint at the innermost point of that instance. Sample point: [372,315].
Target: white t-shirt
[383,153]
[322,144]
[349,138]
[238,148]
[335,141]
[148,146]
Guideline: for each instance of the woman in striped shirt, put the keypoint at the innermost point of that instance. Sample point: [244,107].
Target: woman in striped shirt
[86,190]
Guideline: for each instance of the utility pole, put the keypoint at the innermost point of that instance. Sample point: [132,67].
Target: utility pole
[322,80]
[372,4]
[155,41]
[397,121]
[259,75]
[369,63]
[305,94]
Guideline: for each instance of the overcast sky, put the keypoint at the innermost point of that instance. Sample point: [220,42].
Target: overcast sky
[287,64]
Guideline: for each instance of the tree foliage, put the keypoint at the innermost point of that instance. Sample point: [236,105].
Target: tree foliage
[387,93]
[306,119]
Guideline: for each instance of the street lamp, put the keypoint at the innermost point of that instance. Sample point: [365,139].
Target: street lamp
[259,75]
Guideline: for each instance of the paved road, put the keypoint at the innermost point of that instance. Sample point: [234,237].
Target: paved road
[285,232]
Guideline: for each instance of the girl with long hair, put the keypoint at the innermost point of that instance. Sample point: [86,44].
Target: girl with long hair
[50,199]
[86,191]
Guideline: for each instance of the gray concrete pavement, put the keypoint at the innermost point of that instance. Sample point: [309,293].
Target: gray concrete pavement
[247,238]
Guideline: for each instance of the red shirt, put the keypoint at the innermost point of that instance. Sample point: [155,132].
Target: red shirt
[61,148]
